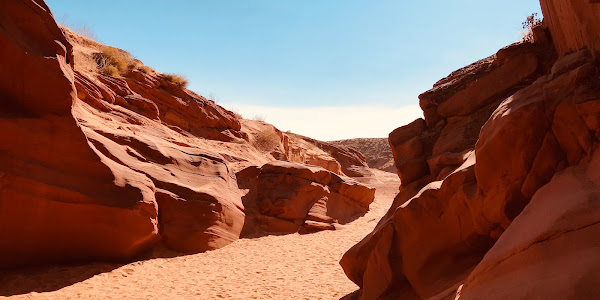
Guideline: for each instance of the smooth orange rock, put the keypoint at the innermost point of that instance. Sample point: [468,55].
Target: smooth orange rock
[481,92]
[199,207]
[420,242]
[88,170]
[550,250]
[61,199]
[186,110]
[410,147]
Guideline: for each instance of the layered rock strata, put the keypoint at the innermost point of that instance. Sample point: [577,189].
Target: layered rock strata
[487,173]
[60,197]
[106,167]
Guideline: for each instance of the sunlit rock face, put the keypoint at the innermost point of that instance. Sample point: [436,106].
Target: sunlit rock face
[573,23]
[286,197]
[98,166]
[499,191]
[87,168]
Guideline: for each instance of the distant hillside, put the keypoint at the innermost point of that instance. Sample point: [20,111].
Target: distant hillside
[376,150]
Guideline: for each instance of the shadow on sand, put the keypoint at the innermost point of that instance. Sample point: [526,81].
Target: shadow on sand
[49,278]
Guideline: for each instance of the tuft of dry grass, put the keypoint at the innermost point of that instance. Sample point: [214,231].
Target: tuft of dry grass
[111,71]
[114,62]
[236,113]
[213,97]
[86,32]
[145,69]
[175,78]
[267,140]
[260,118]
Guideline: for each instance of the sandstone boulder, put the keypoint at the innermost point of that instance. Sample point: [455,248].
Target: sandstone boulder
[199,206]
[287,197]
[476,174]
[377,152]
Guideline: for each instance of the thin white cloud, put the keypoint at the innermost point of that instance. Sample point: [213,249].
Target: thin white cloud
[332,123]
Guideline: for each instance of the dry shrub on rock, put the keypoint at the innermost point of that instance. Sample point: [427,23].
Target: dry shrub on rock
[114,62]
[267,139]
[176,79]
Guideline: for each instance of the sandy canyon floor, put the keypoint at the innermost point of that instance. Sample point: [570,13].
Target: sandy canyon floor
[273,267]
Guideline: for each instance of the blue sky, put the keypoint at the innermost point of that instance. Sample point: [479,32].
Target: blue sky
[306,55]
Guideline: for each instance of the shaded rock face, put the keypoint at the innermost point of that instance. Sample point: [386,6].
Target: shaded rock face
[76,205]
[96,167]
[289,197]
[494,135]
[574,24]
[550,251]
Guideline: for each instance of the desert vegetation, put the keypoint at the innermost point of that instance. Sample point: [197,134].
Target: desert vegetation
[145,69]
[236,113]
[260,118]
[85,31]
[114,62]
[267,139]
[177,79]
[531,22]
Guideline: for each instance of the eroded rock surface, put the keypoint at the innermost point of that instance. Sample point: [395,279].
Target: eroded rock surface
[494,134]
[60,198]
[102,167]
[199,206]
[144,123]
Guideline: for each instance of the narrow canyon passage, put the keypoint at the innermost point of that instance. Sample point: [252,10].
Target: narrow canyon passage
[273,267]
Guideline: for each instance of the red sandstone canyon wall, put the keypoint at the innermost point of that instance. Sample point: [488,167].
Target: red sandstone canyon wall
[499,195]
[58,196]
[573,23]
[102,167]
